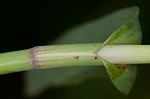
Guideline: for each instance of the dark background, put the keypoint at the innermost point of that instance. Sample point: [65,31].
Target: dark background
[26,24]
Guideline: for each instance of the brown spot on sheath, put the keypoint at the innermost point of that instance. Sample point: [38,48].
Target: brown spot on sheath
[95,57]
[76,57]
[123,67]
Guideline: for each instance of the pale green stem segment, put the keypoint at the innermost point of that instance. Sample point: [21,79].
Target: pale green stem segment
[42,57]
[65,55]
[126,54]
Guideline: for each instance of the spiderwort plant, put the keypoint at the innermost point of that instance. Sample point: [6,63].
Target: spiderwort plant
[117,54]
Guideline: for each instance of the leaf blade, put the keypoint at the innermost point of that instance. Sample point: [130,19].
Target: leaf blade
[129,33]
[122,76]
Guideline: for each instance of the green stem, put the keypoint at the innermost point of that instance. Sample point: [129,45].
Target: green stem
[15,61]
[42,57]
[65,55]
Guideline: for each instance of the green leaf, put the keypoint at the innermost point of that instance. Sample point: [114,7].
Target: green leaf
[122,76]
[129,33]
[93,31]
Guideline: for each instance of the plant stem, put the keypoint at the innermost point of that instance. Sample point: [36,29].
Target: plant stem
[126,54]
[65,55]
[42,57]
[15,61]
